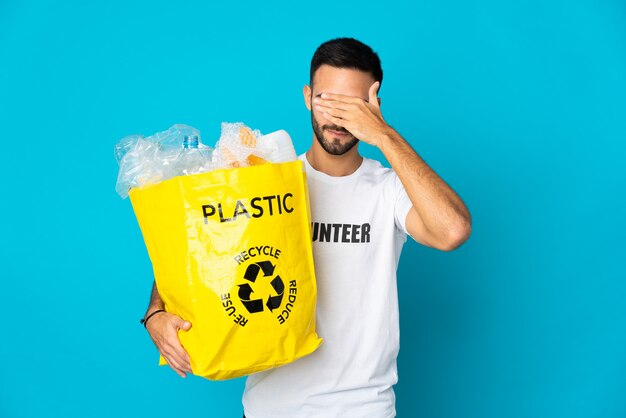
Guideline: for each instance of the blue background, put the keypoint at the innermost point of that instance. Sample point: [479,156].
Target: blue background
[520,106]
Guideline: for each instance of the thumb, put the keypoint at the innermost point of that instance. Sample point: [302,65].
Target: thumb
[181,324]
[185,325]
[373,99]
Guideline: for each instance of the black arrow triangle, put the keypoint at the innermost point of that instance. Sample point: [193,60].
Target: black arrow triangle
[278,285]
[244,291]
[252,272]
[273,302]
[268,268]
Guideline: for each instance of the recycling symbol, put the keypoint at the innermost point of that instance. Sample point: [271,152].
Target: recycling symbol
[255,304]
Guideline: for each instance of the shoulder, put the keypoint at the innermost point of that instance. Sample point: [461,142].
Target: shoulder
[385,180]
[374,170]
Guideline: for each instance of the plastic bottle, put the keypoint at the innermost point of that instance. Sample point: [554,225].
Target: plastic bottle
[280,147]
[192,159]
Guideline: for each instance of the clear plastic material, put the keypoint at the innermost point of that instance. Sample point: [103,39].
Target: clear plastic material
[178,151]
[149,160]
[192,159]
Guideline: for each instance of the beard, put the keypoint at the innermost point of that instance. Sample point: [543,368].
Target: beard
[336,147]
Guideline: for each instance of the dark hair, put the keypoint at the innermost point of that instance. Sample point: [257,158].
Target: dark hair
[347,53]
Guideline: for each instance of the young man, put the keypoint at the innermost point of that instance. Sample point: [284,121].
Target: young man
[361,213]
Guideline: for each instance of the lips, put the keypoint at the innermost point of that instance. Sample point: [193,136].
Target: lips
[339,133]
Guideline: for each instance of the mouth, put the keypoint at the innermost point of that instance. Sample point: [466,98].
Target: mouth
[339,133]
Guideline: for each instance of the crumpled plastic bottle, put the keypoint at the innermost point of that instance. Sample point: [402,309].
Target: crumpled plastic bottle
[192,159]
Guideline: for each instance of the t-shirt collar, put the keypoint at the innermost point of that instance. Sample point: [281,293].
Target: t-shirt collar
[328,178]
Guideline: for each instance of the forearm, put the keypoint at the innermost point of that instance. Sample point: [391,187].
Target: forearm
[155,300]
[441,209]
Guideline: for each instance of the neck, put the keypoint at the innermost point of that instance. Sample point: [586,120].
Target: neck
[333,165]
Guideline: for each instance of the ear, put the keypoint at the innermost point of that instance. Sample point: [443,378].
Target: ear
[306,91]
[379,102]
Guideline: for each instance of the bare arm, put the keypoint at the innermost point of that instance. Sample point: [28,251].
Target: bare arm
[155,300]
[163,329]
[438,218]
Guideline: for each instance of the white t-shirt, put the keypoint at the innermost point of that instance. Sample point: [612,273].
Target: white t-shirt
[358,227]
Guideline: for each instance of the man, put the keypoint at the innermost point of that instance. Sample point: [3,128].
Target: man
[361,213]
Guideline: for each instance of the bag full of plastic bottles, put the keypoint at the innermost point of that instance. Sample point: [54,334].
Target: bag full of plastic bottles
[228,233]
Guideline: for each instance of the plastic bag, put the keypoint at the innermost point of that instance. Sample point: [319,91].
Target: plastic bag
[230,243]
[231,252]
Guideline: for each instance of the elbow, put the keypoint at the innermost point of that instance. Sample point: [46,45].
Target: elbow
[457,236]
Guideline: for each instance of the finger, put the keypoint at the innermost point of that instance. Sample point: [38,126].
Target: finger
[180,372]
[332,111]
[341,98]
[174,365]
[178,356]
[335,104]
[177,322]
[373,93]
[335,120]
[175,347]
[181,365]
[183,359]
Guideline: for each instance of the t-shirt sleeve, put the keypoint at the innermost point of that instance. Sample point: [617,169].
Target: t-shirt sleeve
[402,204]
